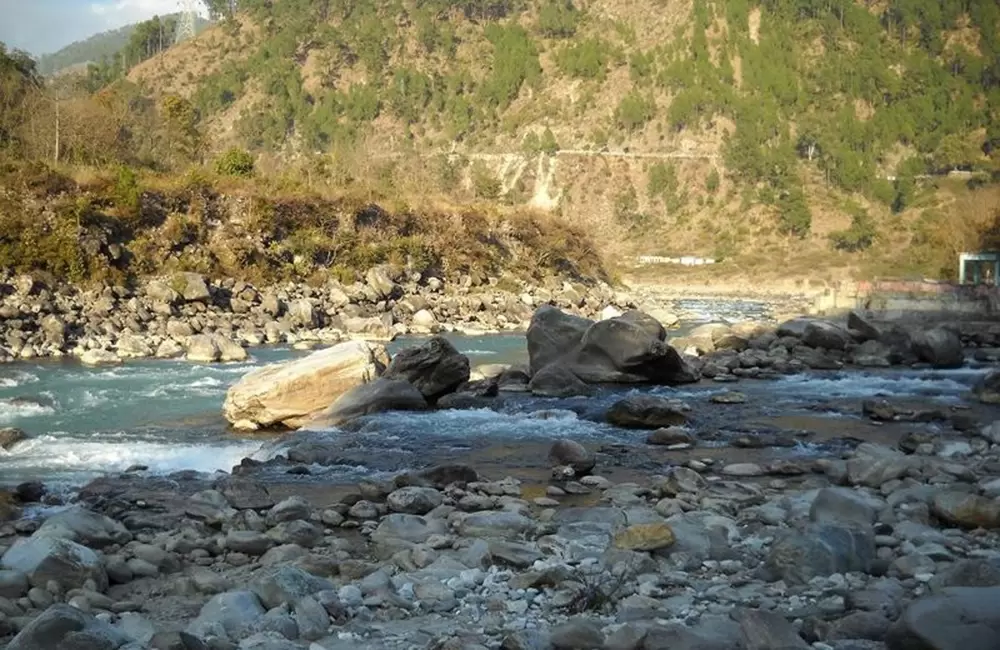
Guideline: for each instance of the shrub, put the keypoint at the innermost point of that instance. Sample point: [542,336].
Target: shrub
[859,236]
[558,19]
[127,194]
[793,213]
[235,162]
[712,182]
[662,180]
[485,183]
[586,60]
[634,111]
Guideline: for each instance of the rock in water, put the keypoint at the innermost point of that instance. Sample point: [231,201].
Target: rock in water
[557,380]
[202,348]
[435,367]
[960,618]
[99,358]
[863,326]
[573,454]
[10,437]
[229,350]
[940,347]
[64,626]
[647,412]
[553,335]
[376,397]
[987,389]
[288,394]
[629,349]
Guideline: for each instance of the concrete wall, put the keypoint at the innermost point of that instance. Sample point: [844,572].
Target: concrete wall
[900,299]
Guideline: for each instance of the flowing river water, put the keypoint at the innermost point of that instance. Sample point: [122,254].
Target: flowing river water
[166,415]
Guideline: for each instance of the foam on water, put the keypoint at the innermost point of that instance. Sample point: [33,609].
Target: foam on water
[16,378]
[947,385]
[62,457]
[730,311]
[464,424]
[12,410]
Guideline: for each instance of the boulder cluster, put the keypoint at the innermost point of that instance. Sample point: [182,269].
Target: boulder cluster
[801,344]
[189,315]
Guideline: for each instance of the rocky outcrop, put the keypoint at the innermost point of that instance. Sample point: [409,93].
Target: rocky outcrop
[288,394]
[377,396]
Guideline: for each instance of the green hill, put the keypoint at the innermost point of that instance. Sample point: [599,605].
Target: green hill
[97,48]
[834,136]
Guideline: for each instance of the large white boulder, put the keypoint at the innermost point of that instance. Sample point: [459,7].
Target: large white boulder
[288,394]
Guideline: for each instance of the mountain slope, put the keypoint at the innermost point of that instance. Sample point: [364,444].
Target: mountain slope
[731,128]
[98,47]
[95,48]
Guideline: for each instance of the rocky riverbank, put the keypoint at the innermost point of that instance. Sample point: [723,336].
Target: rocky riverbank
[885,546]
[880,549]
[188,315]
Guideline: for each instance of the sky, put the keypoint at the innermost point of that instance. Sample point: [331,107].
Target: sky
[45,26]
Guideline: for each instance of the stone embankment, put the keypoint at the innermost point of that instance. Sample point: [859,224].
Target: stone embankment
[186,315]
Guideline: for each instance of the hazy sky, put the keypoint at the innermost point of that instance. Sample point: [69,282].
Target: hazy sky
[43,26]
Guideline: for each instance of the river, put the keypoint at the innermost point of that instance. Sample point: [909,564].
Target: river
[165,415]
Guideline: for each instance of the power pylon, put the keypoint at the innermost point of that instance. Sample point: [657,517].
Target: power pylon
[186,21]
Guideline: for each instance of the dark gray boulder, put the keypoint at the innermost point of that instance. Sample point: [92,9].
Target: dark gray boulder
[435,368]
[821,550]
[557,380]
[940,347]
[64,626]
[552,335]
[647,412]
[960,618]
[629,349]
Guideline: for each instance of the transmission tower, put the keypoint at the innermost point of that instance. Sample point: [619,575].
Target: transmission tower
[186,21]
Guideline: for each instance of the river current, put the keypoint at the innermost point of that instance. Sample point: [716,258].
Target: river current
[166,415]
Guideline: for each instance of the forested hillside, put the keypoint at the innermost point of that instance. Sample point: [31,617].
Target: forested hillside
[115,47]
[826,130]
[95,48]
